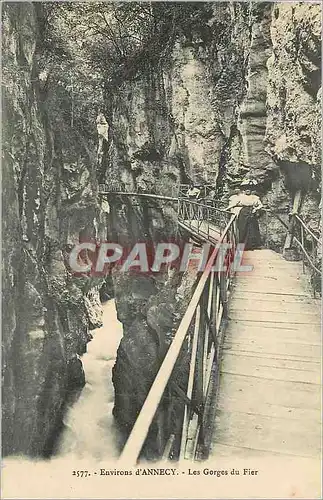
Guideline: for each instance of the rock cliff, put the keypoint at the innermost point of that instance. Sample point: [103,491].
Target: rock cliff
[48,198]
[224,91]
[212,113]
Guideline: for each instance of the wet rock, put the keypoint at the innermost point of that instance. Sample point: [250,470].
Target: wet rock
[76,376]
[134,372]
[292,97]
[49,200]
[93,308]
[160,317]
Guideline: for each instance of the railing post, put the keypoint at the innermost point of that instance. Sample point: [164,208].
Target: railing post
[190,383]
[314,250]
[215,298]
[296,206]
[302,241]
[200,351]
[208,333]
[223,293]
[313,255]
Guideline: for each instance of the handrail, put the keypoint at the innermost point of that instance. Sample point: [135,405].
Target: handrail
[217,292]
[298,223]
[104,189]
[307,229]
[143,195]
[311,259]
[316,269]
[193,202]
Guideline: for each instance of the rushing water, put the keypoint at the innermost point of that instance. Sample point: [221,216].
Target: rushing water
[89,430]
[89,437]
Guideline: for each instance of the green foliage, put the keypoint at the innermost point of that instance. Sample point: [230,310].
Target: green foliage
[87,49]
[112,38]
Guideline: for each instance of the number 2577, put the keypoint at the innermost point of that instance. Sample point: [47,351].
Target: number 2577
[80,473]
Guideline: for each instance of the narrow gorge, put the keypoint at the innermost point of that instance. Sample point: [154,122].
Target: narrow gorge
[191,93]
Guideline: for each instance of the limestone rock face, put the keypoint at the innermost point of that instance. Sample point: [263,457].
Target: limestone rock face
[253,111]
[293,98]
[197,133]
[294,82]
[48,200]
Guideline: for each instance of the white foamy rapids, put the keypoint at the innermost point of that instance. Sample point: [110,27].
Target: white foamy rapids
[90,433]
[90,430]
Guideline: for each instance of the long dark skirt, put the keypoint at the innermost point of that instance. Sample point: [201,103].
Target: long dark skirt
[248,229]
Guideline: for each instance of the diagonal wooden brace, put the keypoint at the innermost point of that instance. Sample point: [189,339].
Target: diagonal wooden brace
[197,408]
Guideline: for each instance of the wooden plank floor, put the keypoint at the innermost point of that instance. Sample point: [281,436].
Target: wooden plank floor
[204,230]
[269,400]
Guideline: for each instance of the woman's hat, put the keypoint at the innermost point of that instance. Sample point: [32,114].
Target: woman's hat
[245,182]
[248,182]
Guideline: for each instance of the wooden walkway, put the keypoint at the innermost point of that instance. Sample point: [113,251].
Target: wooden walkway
[269,400]
[202,230]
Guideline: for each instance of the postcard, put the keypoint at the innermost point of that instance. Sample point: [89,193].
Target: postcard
[161,249]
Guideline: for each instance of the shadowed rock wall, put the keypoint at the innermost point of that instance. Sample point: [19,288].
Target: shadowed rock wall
[48,199]
[234,92]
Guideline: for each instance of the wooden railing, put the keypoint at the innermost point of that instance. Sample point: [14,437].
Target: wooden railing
[195,349]
[311,251]
[309,244]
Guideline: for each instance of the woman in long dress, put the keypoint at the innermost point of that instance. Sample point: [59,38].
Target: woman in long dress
[246,206]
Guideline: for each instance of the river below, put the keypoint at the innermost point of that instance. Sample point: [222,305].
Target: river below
[90,431]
